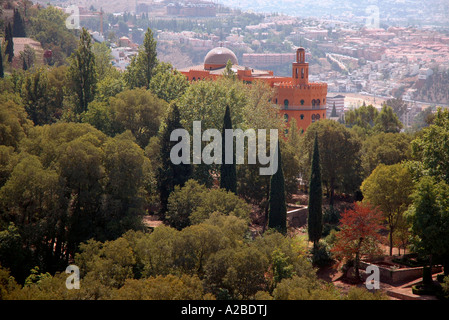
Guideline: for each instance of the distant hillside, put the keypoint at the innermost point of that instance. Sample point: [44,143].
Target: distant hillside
[435,89]
[415,10]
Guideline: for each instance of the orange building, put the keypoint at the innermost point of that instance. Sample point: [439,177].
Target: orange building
[296,97]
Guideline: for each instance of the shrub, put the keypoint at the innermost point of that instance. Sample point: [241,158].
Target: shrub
[321,255]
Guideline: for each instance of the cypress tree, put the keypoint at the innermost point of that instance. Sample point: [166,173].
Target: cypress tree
[277,213]
[82,72]
[2,74]
[228,176]
[315,217]
[169,174]
[24,64]
[334,112]
[9,43]
[18,25]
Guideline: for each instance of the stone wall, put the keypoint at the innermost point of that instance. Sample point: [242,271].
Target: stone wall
[395,276]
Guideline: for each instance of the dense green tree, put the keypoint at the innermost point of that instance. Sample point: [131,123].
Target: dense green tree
[315,210]
[236,273]
[109,86]
[14,123]
[102,59]
[429,215]
[124,164]
[389,188]
[142,67]
[37,97]
[12,253]
[137,110]
[228,179]
[385,148]
[432,147]
[110,262]
[387,121]
[304,288]
[169,174]
[194,203]
[168,287]
[363,117]
[368,119]
[82,73]
[277,214]
[168,83]
[339,150]
[195,245]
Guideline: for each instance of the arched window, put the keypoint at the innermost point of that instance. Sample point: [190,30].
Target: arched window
[276,101]
[313,103]
[313,118]
[302,73]
[285,117]
[302,117]
[317,117]
[318,102]
[286,131]
[302,102]
[286,103]
[193,79]
[296,71]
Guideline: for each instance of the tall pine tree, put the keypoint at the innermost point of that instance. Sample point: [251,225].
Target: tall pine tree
[141,69]
[334,112]
[2,73]
[228,175]
[315,217]
[169,174]
[277,212]
[9,50]
[18,25]
[82,72]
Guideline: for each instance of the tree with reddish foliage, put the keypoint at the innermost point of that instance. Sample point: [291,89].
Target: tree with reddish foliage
[359,234]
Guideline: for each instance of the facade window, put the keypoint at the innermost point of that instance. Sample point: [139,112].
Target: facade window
[318,102]
[313,118]
[302,73]
[276,100]
[296,71]
[302,131]
[313,103]
[317,117]
[286,131]
[286,103]
[193,79]
[285,117]
[302,117]
[302,102]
